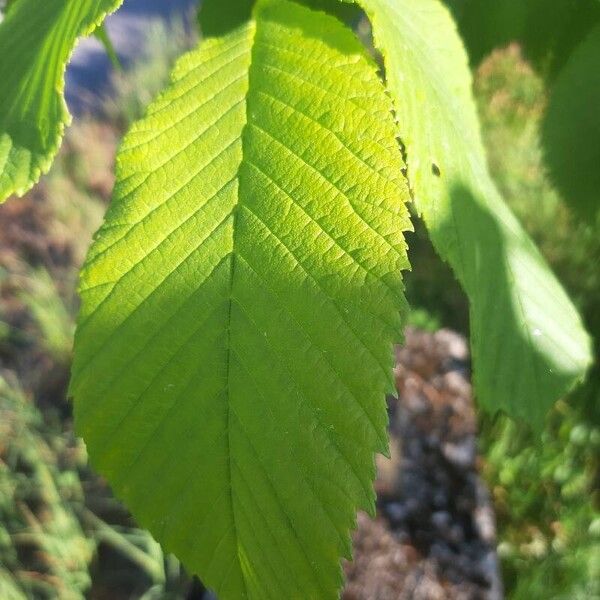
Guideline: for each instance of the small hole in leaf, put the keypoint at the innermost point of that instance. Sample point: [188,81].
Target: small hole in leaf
[435,170]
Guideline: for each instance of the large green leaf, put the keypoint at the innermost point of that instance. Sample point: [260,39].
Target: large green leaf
[240,303]
[36,40]
[528,343]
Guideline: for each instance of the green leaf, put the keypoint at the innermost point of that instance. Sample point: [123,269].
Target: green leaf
[571,131]
[547,30]
[218,17]
[240,302]
[528,344]
[36,40]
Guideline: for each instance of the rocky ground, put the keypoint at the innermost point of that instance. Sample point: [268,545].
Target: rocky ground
[434,536]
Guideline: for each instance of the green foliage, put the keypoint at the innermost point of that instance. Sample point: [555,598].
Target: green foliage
[35,519]
[572,128]
[36,40]
[48,535]
[546,494]
[561,40]
[49,314]
[527,352]
[512,100]
[548,30]
[240,303]
[218,17]
[242,297]
[5,5]
[544,497]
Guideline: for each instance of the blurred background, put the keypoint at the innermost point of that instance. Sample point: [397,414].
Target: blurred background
[469,506]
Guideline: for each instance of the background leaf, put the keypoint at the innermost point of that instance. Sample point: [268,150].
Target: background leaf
[571,132]
[218,17]
[36,40]
[240,302]
[548,30]
[528,343]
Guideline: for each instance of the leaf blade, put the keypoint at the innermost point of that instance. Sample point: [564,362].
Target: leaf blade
[240,302]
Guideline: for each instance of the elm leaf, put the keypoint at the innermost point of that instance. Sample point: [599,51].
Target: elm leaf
[240,303]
